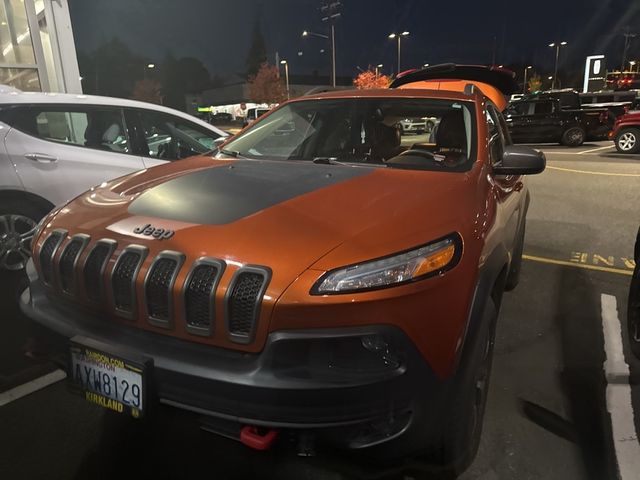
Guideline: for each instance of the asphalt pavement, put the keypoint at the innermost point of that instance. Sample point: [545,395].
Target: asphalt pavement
[563,388]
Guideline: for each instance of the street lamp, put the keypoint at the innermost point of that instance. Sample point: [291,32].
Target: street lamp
[307,33]
[425,65]
[398,36]
[524,84]
[378,67]
[632,63]
[149,66]
[286,75]
[555,71]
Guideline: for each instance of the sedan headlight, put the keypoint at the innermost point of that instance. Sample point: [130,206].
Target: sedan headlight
[422,262]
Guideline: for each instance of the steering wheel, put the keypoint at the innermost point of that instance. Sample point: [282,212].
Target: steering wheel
[423,154]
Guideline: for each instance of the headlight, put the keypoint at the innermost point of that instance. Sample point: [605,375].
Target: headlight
[421,262]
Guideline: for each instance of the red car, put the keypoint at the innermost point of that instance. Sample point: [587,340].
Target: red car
[626,133]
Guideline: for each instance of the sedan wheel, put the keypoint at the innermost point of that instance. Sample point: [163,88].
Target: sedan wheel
[628,141]
[16,232]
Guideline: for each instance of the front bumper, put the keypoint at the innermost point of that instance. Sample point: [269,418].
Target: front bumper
[320,380]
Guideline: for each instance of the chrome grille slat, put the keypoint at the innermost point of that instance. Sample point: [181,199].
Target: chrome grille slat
[243,302]
[123,279]
[199,295]
[47,254]
[68,262]
[158,287]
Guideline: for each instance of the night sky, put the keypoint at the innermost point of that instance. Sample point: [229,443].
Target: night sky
[218,32]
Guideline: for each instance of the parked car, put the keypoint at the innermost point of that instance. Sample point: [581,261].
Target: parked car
[626,133]
[540,119]
[286,288]
[253,114]
[221,118]
[418,125]
[55,146]
[633,310]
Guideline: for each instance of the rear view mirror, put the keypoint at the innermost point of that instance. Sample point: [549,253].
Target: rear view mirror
[520,160]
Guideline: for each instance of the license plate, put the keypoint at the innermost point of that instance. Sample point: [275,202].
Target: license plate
[108,380]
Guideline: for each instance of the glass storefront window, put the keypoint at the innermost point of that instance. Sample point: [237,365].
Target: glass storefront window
[25,79]
[15,37]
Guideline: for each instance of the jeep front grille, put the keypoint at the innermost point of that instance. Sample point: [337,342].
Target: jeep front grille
[159,287]
[244,299]
[68,260]
[94,267]
[199,296]
[47,252]
[123,279]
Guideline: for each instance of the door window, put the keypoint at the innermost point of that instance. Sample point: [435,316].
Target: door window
[497,135]
[520,108]
[99,128]
[171,138]
[543,108]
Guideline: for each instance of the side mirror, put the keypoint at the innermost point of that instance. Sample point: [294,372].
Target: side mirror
[520,160]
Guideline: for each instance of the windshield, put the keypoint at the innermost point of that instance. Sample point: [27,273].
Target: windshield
[397,132]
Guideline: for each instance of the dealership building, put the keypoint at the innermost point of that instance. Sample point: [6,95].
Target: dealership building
[37,51]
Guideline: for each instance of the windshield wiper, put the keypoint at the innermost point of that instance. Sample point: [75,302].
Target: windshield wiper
[330,161]
[231,153]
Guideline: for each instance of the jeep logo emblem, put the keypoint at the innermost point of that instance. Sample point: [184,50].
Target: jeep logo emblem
[159,233]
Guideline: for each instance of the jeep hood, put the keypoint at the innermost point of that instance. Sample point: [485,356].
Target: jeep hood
[284,215]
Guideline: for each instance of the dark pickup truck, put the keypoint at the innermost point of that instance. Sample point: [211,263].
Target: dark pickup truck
[541,118]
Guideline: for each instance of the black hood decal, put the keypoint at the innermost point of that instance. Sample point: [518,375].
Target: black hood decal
[220,195]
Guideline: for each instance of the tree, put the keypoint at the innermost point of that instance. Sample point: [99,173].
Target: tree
[266,87]
[116,69]
[257,52]
[535,83]
[370,79]
[182,76]
[147,90]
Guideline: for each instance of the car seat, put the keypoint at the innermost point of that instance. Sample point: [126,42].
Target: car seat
[451,138]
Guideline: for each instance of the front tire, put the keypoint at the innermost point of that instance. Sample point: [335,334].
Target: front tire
[573,137]
[461,429]
[628,140]
[18,220]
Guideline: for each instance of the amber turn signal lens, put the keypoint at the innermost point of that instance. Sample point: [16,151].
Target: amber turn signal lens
[435,261]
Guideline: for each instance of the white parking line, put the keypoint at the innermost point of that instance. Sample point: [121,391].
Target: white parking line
[596,149]
[625,439]
[30,387]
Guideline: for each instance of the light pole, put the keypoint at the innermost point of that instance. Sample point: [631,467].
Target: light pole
[557,46]
[633,64]
[286,75]
[378,67]
[307,33]
[524,84]
[398,36]
[425,65]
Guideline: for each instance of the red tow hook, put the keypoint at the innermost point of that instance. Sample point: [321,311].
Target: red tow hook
[250,437]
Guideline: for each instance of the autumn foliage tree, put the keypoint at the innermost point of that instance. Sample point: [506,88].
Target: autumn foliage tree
[266,86]
[147,90]
[370,79]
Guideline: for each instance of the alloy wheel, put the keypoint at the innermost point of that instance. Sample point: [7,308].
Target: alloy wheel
[16,233]
[627,141]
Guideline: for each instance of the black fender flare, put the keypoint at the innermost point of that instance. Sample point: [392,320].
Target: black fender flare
[492,276]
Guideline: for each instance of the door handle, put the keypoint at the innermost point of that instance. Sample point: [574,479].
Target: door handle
[41,157]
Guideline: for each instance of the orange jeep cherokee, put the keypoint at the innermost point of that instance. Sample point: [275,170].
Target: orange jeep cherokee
[320,277]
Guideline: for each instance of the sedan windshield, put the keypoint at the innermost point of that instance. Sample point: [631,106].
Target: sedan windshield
[394,132]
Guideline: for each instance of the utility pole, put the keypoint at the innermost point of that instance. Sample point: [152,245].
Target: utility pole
[330,10]
[627,43]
